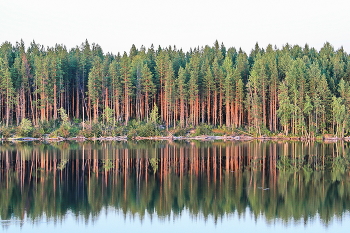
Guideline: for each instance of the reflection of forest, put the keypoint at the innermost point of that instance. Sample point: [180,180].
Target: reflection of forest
[283,180]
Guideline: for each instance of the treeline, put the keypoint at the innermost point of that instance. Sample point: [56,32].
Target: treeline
[295,90]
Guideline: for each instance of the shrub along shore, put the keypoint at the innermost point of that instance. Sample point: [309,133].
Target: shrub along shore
[65,129]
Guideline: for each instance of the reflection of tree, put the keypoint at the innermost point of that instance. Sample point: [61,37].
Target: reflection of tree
[154,164]
[279,180]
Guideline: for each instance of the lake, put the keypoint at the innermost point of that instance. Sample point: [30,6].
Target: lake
[161,186]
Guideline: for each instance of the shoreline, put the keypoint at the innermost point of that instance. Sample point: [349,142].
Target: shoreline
[174,138]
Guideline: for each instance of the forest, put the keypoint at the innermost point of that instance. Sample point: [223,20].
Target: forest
[293,90]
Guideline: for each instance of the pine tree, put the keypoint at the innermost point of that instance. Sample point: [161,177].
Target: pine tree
[116,88]
[148,88]
[127,82]
[95,87]
[254,101]
[41,79]
[259,80]
[209,85]
[218,92]
[285,107]
[21,73]
[193,90]
[6,90]
[339,116]
[182,95]
[273,82]
[229,87]
[169,91]
[296,82]
[161,67]
[240,76]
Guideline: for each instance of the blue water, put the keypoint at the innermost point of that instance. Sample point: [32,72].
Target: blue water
[67,191]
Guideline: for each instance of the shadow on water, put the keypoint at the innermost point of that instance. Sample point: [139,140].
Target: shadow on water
[288,181]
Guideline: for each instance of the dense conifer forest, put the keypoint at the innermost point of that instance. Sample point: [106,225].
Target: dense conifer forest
[291,90]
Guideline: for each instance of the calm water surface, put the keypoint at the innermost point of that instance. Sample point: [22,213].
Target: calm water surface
[175,186]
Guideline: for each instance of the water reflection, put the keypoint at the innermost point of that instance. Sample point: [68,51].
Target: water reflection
[284,181]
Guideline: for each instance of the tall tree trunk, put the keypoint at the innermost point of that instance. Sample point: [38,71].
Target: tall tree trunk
[55,101]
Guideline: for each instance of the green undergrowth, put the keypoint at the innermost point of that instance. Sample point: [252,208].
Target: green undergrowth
[66,128]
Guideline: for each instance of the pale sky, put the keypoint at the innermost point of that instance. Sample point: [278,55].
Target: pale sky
[116,25]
